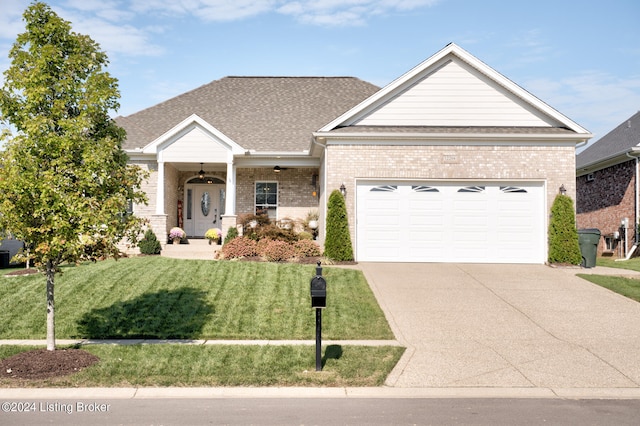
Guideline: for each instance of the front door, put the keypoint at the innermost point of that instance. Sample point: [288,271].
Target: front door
[202,210]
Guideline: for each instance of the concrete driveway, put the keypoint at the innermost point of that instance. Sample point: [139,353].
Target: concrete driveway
[508,326]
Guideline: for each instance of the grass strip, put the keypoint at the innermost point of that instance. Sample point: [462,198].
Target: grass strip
[228,365]
[628,287]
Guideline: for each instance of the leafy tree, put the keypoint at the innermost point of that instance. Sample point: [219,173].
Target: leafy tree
[563,235]
[63,175]
[337,244]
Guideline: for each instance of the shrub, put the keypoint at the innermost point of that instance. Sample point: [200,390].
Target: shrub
[260,221]
[278,251]
[149,244]
[272,232]
[337,245]
[563,235]
[239,247]
[307,248]
[304,235]
[231,234]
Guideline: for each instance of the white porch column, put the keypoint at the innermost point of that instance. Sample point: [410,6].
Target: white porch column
[230,205]
[160,189]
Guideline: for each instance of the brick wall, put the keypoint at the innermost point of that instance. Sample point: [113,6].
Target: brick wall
[607,199]
[295,193]
[553,164]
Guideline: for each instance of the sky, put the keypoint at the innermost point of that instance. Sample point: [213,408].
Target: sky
[580,57]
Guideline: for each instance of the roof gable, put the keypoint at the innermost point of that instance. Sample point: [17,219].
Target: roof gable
[453,88]
[624,139]
[193,140]
[267,114]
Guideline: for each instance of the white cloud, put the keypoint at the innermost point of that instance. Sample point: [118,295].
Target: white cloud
[317,12]
[594,99]
[11,18]
[347,12]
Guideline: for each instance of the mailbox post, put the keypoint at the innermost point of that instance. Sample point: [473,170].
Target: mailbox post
[318,301]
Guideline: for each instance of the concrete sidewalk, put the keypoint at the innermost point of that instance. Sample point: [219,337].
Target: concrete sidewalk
[518,327]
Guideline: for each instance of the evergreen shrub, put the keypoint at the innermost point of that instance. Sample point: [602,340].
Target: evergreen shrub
[149,244]
[337,245]
[563,235]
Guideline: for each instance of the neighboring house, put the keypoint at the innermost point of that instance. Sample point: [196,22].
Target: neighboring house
[9,247]
[451,162]
[607,187]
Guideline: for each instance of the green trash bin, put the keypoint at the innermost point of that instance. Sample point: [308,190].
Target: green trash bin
[588,240]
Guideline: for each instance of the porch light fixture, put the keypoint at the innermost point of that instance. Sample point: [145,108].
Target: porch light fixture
[201,172]
[563,190]
[343,190]
[276,169]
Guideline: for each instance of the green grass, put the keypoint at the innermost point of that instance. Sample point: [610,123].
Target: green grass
[632,264]
[628,287]
[228,365]
[157,297]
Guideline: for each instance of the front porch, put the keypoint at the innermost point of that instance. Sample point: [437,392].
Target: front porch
[196,249]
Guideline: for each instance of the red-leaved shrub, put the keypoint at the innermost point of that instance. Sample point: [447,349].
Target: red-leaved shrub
[278,251]
[239,247]
[307,248]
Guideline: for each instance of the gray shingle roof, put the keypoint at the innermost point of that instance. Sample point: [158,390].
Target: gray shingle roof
[258,113]
[616,142]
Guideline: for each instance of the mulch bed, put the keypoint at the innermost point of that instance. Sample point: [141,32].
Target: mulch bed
[44,364]
[21,272]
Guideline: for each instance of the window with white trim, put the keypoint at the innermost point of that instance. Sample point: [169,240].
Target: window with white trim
[267,199]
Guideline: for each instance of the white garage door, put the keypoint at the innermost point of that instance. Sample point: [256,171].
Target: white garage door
[452,222]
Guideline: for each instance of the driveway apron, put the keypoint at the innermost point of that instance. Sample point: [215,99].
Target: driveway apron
[516,326]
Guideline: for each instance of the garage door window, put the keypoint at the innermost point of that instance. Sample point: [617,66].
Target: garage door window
[472,189]
[385,188]
[512,189]
[423,188]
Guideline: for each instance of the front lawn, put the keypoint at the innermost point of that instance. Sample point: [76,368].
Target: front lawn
[157,297]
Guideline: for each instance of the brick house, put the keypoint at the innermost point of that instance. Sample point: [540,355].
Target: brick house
[451,162]
[607,188]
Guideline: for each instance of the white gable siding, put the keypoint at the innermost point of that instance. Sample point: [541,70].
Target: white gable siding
[454,95]
[196,145]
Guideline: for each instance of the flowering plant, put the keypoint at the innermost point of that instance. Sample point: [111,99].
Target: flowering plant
[213,234]
[176,234]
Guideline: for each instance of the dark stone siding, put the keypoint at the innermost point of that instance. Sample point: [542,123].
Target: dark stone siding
[603,202]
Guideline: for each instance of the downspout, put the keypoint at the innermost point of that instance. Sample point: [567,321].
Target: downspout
[635,199]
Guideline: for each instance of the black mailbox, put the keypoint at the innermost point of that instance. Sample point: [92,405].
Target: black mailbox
[318,290]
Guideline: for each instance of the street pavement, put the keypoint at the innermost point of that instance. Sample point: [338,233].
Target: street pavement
[472,330]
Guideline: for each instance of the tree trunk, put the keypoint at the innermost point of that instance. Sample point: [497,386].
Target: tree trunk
[51,331]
